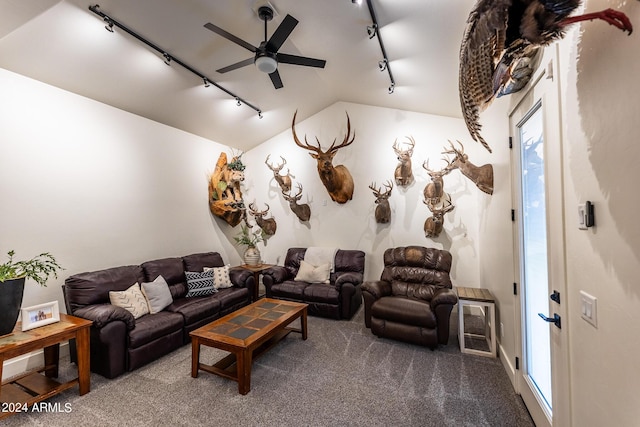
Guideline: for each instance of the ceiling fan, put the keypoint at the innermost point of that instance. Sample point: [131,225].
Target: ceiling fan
[266,56]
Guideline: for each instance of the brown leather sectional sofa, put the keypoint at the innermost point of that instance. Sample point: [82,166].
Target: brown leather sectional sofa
[120,343]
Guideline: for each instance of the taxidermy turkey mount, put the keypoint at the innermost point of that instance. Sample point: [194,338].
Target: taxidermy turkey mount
[266,56]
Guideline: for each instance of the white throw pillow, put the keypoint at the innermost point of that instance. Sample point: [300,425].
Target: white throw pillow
[131,300]
[221,277]
[311,274]
[157,294]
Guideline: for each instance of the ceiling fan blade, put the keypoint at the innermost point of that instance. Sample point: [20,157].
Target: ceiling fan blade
[230,37]
[275,79]
[300,60]
[235,66]
[282,32]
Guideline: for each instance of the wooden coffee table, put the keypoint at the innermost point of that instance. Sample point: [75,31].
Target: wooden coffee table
[246,333]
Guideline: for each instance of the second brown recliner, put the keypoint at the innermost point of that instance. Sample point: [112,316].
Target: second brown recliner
[413,299]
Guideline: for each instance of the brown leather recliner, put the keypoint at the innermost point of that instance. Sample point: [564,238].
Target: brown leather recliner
[413,299]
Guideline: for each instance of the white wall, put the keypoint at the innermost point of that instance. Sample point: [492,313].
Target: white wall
[98,187]
[370,158]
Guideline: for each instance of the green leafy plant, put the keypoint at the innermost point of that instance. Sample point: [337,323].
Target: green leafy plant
[38,268]
[247,237]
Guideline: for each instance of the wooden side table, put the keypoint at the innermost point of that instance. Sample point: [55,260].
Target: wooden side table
[482,298]
[32,387]
[256,270]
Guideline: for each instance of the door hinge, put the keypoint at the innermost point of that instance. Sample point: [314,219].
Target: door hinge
[510,142]
[513,215]
[517,363]
[515,288]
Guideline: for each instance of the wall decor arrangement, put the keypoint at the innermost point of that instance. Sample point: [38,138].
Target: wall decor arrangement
[404,172]
[337,180]
[225,195]
[434,190]
[284,181]
[383,209]
[268,225]
[481,176]
[302,211]
[501,37]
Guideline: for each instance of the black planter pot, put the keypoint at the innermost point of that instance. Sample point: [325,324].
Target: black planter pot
[11,293]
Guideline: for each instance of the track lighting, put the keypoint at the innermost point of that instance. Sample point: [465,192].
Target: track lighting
[358,2]
[259,114]
[168,58]
[109,26]
[372,30]
[392,87]
[238,103]
[382,65]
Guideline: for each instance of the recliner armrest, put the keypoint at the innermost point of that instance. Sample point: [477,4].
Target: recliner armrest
[443,296]
[102,314]
[276,274]
[348,277]
[239,277]
[377,289]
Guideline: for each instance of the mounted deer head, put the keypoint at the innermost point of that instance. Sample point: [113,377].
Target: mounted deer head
[403,173]
[433,224]
[303,212]
[268,225]
[434,190]
[337,180]
[284,181]
[383,210]
[481,176]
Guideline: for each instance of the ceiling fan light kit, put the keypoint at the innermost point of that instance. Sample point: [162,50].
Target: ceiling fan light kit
[266,63]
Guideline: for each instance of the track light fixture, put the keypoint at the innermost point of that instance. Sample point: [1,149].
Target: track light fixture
[167,57]
[238,103]
[374,30]
[259,114]
[358,2]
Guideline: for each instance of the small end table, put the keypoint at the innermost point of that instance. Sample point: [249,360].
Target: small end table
[483,298]
[256,270]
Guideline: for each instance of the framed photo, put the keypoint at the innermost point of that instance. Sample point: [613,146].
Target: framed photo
[40,315]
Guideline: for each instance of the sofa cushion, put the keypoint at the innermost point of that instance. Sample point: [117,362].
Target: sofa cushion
[289,290]
[154,326]
[171,269]
[231,297]
[199,284]
[404,310]
[197,262]
[93,287]
[321,292]
[195,308]
[157,294]
[313,274]
[131,300]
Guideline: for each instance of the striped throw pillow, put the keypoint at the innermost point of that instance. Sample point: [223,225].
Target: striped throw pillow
[199,284]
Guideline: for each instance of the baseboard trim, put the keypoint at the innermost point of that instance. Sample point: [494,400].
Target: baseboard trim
[28,362]
[509,368]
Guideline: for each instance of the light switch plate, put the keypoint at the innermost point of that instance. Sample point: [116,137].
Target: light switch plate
[588,308]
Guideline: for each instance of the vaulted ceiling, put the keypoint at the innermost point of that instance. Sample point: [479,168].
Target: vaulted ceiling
[64,44]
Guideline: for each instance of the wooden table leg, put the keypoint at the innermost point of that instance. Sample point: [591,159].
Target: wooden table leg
[195,356]
[303,323]
[52,359]
[83,360]
[243,367]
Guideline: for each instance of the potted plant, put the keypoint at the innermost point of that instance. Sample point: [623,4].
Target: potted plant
[12,277]
[250,239]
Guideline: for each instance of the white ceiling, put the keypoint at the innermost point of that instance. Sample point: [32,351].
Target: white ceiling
[64,44]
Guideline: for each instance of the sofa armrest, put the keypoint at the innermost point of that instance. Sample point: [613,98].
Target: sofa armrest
[275,274]
[102,314]
[443,296]
[240,276]
[378,288]
[348,277]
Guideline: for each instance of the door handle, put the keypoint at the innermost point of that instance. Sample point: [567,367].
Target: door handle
[555,319]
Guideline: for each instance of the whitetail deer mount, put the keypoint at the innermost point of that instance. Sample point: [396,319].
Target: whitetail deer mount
[434,191]
[337,180]
[268,225]
[303,212]
[433,224]
[481,176]
[284,181]
[383,210]
[404,173]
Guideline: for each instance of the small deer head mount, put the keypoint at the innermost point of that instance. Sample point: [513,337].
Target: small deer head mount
[337,180]
[268,225]
[383,210]
[433,224]
[284,181]
[481,176]
[404,173]
[303,212]
[434,191]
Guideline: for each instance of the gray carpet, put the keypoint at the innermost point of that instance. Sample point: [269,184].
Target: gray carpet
[341,375]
